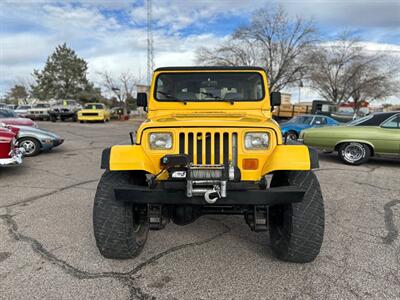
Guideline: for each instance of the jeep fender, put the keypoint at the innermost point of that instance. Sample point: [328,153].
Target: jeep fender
[291,157]
[126,158]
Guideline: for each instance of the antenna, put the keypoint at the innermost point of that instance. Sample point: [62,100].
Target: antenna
[150,54]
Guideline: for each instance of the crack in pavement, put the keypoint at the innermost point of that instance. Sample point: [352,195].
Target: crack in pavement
[376,186]
[370,170]
[393,232]
[34,198]
[56,174]
[125,278]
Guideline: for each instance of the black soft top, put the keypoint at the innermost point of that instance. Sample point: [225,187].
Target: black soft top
[378,118]
[211,68]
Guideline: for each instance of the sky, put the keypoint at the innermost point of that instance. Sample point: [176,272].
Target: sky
[111,35]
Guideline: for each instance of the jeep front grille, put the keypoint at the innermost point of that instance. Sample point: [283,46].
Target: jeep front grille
[210,148]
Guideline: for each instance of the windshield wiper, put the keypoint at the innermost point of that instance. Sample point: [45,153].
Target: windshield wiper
[167,95]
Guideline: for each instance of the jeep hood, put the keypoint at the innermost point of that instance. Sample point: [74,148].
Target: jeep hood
[209,119]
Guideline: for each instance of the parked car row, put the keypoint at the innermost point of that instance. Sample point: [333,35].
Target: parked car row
[64,110]
[20,137]
[377,134]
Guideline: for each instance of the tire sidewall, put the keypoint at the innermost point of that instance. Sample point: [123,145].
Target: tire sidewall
[365,156]
[34,142]
[107,210]
[291,135]
[297,229]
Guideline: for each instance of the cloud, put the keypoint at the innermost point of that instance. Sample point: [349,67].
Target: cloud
[111,34]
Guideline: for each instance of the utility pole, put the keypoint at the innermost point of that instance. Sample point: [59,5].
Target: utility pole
[300,86]
[150,54]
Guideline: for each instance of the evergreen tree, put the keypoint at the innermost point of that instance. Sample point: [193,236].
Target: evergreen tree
[17,93]
[63,76]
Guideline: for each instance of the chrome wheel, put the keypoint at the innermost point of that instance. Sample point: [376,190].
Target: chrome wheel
[29,146]
[353,152]
[291,136]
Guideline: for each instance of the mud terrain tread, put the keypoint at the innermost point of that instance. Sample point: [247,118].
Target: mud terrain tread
[301,241]
[113,221]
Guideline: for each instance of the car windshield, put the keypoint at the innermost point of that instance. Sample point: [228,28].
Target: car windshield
[4,113]
[42,105]
[301,120]
[66,102]
[359,121]
[93,106]
[209,86]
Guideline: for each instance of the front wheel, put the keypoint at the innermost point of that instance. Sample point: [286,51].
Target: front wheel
[31,146]
[120,228]
[291,135]
[354,153]
[297,230]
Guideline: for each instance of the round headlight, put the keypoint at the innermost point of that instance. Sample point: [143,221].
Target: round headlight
[160,140]
[256,140]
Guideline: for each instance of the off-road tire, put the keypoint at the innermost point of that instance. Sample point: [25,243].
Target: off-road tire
[297,230]
[120,229]
[365,153]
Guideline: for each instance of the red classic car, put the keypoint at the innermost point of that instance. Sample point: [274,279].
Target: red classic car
[9,117]
[10,154]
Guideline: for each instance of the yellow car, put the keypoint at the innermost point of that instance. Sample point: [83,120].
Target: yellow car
[209,146]
[94,112]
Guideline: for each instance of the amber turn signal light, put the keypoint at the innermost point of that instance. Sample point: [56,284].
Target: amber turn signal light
[250,164]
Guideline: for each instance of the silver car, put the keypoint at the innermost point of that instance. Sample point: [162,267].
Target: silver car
[35,140]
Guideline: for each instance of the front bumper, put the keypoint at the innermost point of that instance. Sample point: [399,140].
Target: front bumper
[267,197]
[62,114]
[48,144]
[38,116]
[15,158]
[91,118]
[57,142]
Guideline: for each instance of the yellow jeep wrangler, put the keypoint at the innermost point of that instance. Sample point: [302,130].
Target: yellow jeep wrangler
[209,145]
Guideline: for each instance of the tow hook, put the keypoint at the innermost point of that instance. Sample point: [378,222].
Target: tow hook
[211,196]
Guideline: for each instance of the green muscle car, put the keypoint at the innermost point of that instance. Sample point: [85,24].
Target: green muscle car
[377,134]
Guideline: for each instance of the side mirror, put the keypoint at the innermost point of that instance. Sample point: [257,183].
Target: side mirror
[275,99]
[141,99]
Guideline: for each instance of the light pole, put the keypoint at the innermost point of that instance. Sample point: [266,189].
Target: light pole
[300,86]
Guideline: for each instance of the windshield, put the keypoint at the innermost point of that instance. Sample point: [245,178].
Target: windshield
[207,86]
[23,107]
[359,121]
[93,106]
[42,105]
[301,120]
[66,102]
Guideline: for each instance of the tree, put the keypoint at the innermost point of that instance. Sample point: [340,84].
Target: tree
[373,78]
[63,77]
[272,40]
[121,87]
[16,94]
[342,71]
[91,94]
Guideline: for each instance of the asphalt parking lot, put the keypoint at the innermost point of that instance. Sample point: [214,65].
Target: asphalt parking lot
[47,248]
